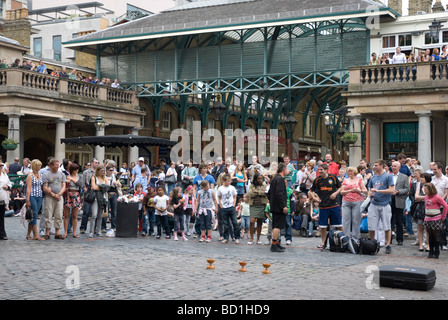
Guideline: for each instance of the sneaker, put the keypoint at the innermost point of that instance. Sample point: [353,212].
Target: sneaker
[259,242]
[184,238]
[175,237]
[288,242]
[388,249]
[195,235]
[444,248]
[99,234]
[143,234]
[158,237]
[209,239]
[237,240]
[250,242]
[224,241]
[91,235]
[167,237]
[202,239]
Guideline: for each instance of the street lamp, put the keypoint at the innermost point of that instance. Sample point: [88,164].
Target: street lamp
[99,123]
[290,124]
[434,29]
[219,109]
[328,118]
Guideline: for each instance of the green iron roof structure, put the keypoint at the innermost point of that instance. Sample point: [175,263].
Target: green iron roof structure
[271,54]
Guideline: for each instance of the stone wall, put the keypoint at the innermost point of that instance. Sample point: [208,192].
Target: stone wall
[419,5]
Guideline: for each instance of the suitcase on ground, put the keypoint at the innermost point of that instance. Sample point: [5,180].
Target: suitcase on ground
[412,278]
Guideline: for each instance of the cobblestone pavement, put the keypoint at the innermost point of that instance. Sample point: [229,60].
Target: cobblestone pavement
[146,268]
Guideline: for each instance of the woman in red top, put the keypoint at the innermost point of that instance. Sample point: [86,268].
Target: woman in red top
[353,190]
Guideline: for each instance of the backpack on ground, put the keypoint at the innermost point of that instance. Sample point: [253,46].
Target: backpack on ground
[338,241]
[368,246]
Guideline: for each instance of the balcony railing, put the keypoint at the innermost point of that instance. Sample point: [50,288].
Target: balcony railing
[48,83]
[408,72]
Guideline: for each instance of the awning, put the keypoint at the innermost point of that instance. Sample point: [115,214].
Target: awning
[127,140]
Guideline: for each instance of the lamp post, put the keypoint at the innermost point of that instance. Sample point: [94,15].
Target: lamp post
[434,29]
[290,124]
[218,108]
[99,124]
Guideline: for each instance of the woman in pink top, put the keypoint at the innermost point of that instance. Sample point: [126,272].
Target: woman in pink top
[353,190]
[434,218]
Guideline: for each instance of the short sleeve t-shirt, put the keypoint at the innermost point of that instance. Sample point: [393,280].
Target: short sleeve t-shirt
[206,199]
[160,202]
[381,182]
[197,180]
[324,188]
[227,195]
[54,180]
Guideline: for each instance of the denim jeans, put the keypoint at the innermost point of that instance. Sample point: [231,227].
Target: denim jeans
[85,215]
[162,220]
[408,220]
[230,214]
[149,218]
[36,205]
[179,219]
[288,228]
[206,220]
[187,219]
[113,200]
[351,219]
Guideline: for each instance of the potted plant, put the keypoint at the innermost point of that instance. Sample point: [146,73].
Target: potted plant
[9,144]
[349,138]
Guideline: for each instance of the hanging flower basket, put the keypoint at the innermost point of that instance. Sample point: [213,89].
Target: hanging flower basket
[9,144]
[349,138]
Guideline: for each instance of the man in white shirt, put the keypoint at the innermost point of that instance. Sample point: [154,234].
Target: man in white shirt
[398,58]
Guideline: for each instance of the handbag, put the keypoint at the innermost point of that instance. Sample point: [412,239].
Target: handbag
[186,182]
[90,196]
[171,179]
[303,185]
[29,214]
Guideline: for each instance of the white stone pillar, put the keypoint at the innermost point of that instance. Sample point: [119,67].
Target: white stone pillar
[13,133]
[100,152]
[59,148]
[134,151]
[424,138]
[355,149]
[375,139]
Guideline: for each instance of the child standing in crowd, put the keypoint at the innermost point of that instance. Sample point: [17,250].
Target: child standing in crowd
[314,222]
[188,205]
[161,203]
[244,214]
[148,212]
[139,195]
[204,210]
[267,212]
[177,201]
[227,199]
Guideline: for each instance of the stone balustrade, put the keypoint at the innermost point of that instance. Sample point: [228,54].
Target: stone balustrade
[64,86]
[408,72]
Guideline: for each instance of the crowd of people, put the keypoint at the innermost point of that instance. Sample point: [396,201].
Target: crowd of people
[239,201]
[29,65]
[400,58]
